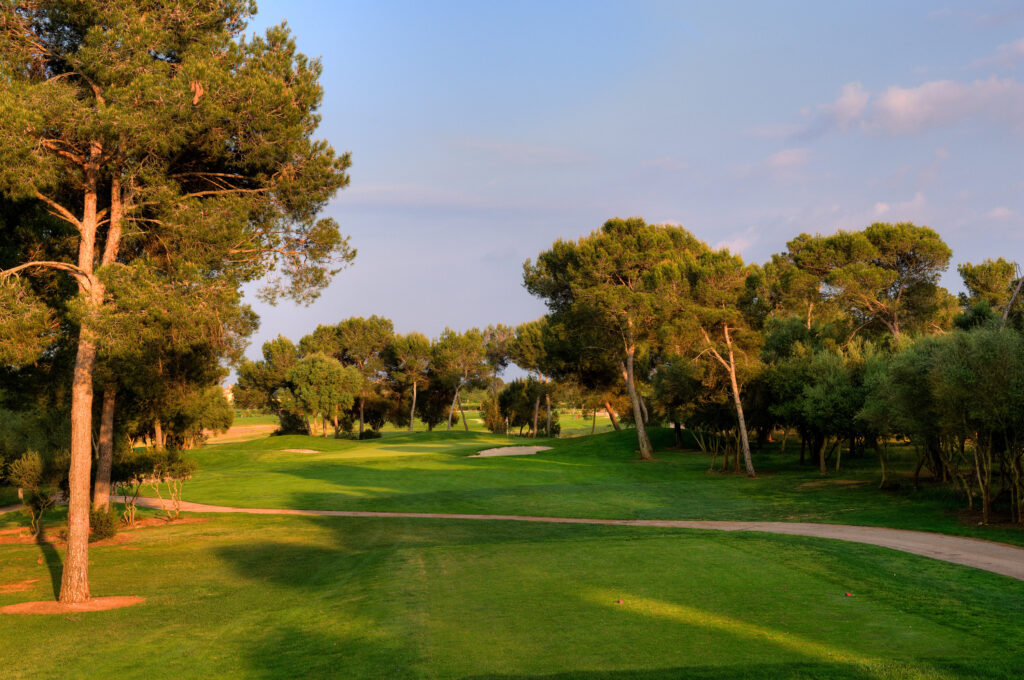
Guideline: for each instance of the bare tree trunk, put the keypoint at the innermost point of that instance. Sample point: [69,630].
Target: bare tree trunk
[74,585]
[547,401]
[101,487]
[465,425]
[412,411]
[536,415]
[593,422]
[452,409]
[158,435]
[362,404]
[643,408]
[1013,298]
[612,416]
[747,462]
[646,450]
[730,367]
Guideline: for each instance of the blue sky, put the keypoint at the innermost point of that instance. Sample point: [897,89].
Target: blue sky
[482,131]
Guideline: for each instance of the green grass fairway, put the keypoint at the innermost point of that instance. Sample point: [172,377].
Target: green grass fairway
[280,597]
[581,477]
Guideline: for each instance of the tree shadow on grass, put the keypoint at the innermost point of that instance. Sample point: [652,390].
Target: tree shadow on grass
[53,562]
[292,652]
[767,671]
[773,671]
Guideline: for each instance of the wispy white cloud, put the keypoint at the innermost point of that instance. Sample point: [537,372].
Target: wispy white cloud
[738,243]
[1006,56]
[787,158]
[909,210]
[785,163]
[849,107]
[905,110]
[999,213]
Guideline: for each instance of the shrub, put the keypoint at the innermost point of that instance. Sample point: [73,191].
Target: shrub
[103,523]
[171,469]
[370,434]
[40,480]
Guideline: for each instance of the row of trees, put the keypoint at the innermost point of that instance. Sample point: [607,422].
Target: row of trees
[846,340]
[360,374]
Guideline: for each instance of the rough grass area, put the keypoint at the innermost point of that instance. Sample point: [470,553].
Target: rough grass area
[276,597]
[582,477]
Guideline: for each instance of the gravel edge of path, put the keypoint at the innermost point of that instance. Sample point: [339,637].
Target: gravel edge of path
[998,558]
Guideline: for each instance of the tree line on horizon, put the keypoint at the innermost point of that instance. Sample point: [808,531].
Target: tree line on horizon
[846,342]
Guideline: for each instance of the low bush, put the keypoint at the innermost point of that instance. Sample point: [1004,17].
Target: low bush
[103,524]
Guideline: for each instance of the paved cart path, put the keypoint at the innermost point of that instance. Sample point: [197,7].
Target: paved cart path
[999,558]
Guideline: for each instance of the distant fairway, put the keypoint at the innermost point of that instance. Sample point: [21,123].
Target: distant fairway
[579,477]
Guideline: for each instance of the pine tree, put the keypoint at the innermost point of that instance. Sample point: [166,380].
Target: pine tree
[179,153]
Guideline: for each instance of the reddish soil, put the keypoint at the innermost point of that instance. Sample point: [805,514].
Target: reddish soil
[18,587]
[95,604]
[21,536]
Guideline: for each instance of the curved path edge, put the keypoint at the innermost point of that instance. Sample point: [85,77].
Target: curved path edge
[999,558]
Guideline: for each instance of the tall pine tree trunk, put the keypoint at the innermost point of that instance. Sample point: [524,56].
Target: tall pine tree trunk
[158,435]
[452,409]
[101,487]
[74,585]
[730,367]
[744,441]
[465,425]
[104,463]
[611,415]
[547,403]
[646,450]
[412,411]
[362,401]
[536,415]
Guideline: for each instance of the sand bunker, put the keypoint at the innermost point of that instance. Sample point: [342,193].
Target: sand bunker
[300,450]
[95,604]
[511,451]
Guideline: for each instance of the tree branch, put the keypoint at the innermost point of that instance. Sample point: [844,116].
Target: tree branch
[59,210]
[714,352]
[80,275]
